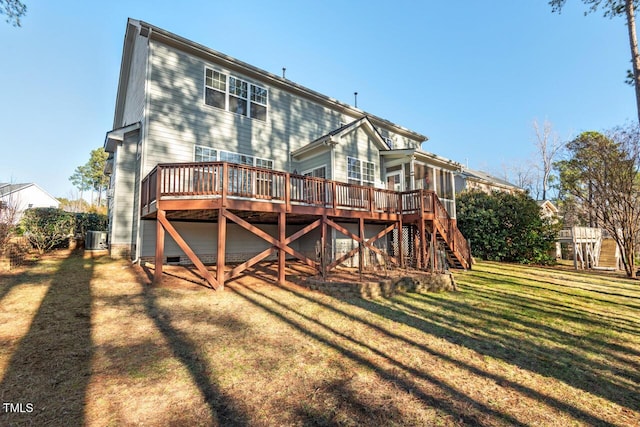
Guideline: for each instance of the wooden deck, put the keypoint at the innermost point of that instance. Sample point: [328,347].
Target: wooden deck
[221,191]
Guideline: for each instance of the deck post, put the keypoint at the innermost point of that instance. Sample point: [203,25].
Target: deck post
[423,243]
[159,256]
[323,247]
[399,243]
[432,254]
[282,237]
[225,184]
[222,240]
[287,192]
[361,245]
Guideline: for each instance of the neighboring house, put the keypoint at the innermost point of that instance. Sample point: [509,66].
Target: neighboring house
[182,103]
[469,180]
[25,196]
[548,209]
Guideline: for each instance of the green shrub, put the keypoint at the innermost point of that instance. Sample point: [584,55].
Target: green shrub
[47,228]
[89,222]
[506,227]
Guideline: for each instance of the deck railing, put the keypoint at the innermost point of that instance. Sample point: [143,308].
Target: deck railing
[207,179]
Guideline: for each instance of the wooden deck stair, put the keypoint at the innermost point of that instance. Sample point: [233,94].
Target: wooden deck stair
[608,252]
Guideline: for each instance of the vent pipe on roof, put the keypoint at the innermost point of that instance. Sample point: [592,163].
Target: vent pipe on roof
[355,95]
[284,70]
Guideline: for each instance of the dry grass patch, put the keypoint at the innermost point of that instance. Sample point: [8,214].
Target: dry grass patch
[93,343]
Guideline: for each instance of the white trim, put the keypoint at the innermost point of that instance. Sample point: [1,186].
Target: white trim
[310,171]
[398,173]
[362,169]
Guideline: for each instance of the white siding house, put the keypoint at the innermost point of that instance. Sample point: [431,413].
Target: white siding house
[25,196]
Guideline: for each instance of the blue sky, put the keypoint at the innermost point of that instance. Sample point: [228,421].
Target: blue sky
[471,75]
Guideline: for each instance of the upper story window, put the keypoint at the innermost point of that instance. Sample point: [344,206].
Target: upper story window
[360,172]
[236,95]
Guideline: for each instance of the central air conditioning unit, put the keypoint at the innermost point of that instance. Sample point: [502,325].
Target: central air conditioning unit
[96,241]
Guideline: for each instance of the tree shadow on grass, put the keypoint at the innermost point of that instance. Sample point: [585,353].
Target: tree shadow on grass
[556,363]
[51,367]
[555,308]
[474,411]
[511,279]
[453,336]
[503,327]
[223,408]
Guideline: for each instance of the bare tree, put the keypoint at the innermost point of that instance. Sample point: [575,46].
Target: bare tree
[521,174]
[548,146]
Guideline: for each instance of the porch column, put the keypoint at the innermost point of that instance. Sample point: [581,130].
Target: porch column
[159,256]
[222,240]
[453,214]
[282,237]
[435,182]
[412,173]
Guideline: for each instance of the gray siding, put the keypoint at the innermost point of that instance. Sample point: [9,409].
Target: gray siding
[202,238]
[135,96]
[125,205]
[321,159]
[356,144]
[178,119]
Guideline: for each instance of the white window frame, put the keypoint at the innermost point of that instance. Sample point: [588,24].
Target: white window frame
[255,94]
[310,172]
[361,166]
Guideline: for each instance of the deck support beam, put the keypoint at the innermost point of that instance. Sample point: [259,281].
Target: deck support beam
[422,245]
[361,241]
[282,236]
[361,245]
[323,247]
[164,223]
[222,247]
[159,255]
[399,242]
[280,245]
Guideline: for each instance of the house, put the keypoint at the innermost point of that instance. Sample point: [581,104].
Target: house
[470,180]
[205,146]
[548,210]
[20,197]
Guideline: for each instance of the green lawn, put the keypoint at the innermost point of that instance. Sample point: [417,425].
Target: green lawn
[89,341]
